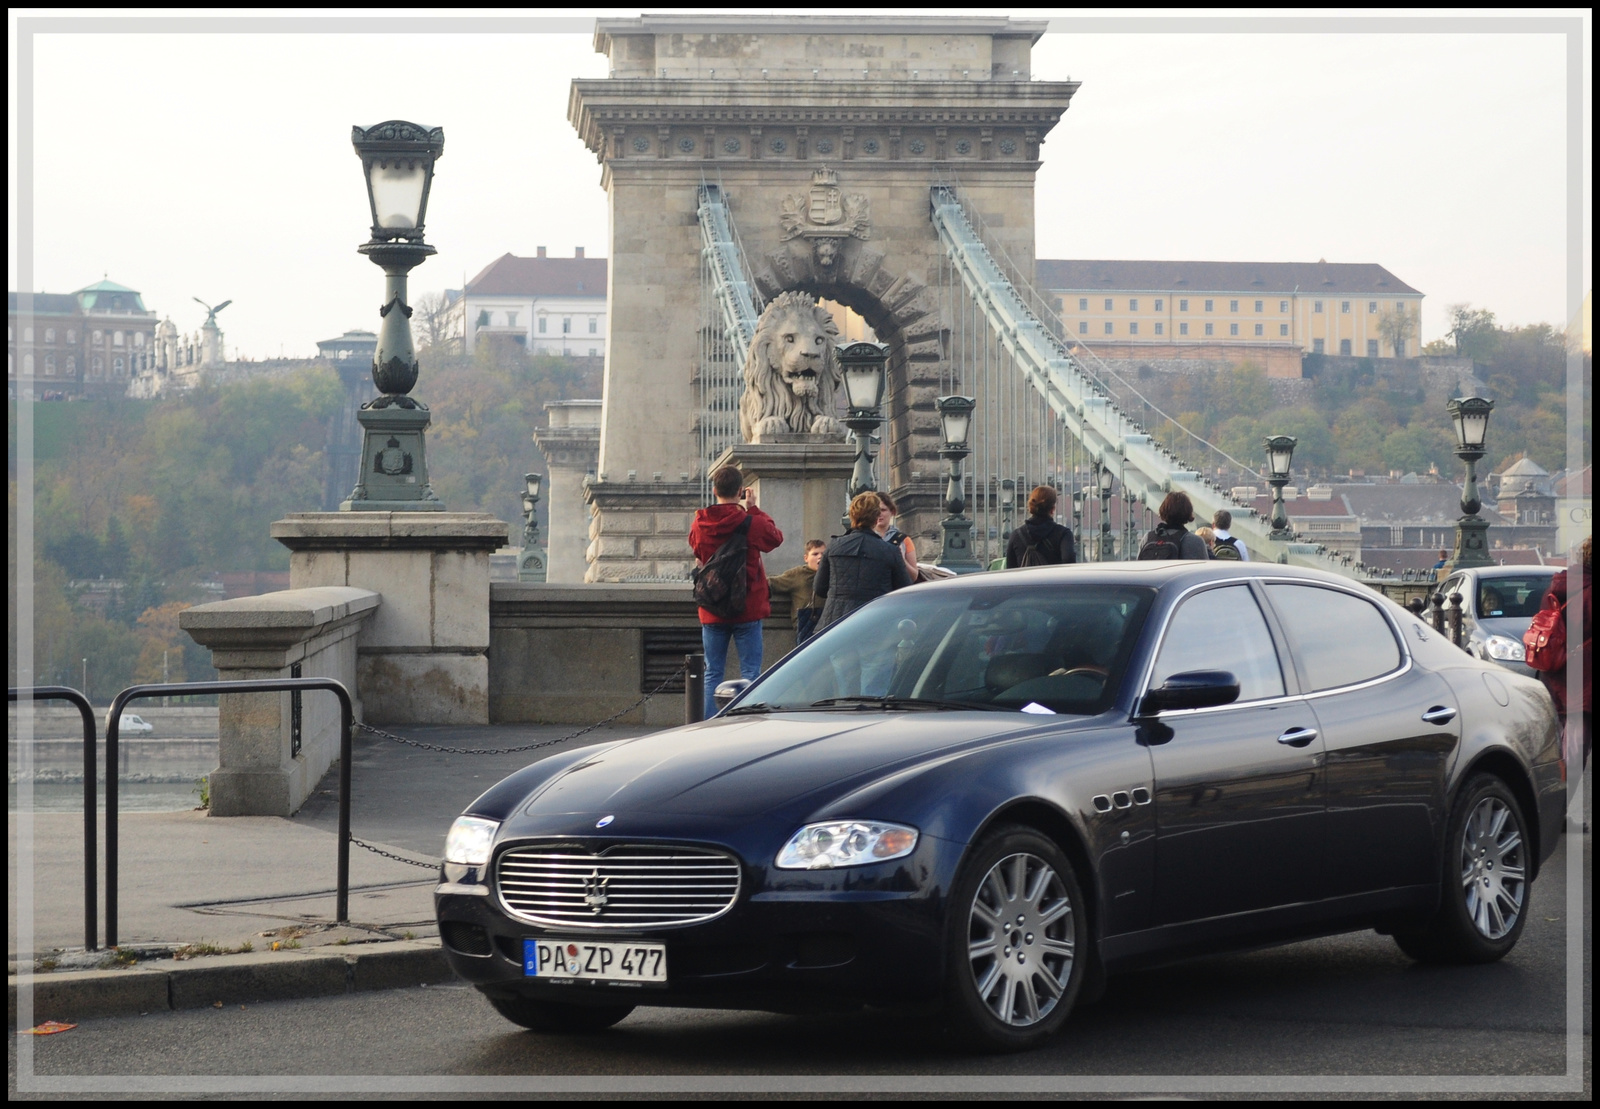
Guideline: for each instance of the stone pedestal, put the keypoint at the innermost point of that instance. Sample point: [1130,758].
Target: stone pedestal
[394,462]
[571,449]
[639,530]
[423,657]
[800,481]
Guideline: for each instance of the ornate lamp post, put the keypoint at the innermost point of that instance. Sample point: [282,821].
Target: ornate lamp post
[1008,507]
[955,421]
[1471,418]
[531,566]
[864,366]
[1108,543]
[1280,452]
[397,160]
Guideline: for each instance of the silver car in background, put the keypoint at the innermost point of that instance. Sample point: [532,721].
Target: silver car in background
[1497,603]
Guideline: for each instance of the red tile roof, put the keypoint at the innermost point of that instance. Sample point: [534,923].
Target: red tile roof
[509,275]
[1274,278]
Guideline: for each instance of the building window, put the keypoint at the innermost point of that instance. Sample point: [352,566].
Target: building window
[1316,346]
[117,366]
[1344,347]
[483,318]
[116,338]
[49,364]
[541,324]
[1399,306]
[1372,347]
[27,364]
[594,325]
[566,325]
[27,334]
[1160,328]
[1108,329]
[1133,304]
[1283,305]
[1183,305]
[1316,306]
[1083,304]
[97,367]
[1208,305]
[1283,330]
[1133,328]
[138,338]
[1400,348]
[1083,327]
[1344,307]
[1233,329]
[1159,304]
[72,365]
[1209,329]
[1260,305]
[1183,329]
[511,319]
[1372,308]
[593,352]
[1108,304]
[1233,305]
[1259,331]
[49,334]
[72,335]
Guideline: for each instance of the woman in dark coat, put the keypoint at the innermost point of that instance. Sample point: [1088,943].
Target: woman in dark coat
[858,566]
[1579,731]
[1049,543]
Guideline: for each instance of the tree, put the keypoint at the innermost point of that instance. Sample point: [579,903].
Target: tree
[1396,325]
[1473,330]
[434,324]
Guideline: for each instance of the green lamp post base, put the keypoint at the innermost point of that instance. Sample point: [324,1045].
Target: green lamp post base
[956,554]
[394,461]
[1472,545]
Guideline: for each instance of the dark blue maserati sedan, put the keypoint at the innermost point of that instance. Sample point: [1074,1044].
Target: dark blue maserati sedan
[987,794]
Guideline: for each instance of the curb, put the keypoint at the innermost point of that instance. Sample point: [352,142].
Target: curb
[229,980]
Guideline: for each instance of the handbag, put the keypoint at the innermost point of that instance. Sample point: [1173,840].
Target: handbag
[1545,642]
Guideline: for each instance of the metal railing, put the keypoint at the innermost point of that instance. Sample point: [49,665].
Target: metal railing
[90,831]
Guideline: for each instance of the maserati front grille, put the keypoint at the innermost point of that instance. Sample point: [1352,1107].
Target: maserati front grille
[625,886]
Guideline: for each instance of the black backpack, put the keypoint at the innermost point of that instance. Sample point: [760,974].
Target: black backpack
[720,585]
[1227,550]
[1032,555]
[1162,543]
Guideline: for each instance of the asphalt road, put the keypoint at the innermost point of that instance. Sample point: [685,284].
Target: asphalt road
[1343,1006]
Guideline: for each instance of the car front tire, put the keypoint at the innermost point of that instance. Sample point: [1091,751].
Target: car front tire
[1017,942]
[1485,881]
[558,1017]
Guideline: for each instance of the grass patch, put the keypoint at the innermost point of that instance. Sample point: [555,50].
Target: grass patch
[119,958]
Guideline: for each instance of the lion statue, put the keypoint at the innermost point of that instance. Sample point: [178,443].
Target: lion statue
[790,375]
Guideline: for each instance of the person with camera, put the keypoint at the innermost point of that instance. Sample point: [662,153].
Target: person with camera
[732,593]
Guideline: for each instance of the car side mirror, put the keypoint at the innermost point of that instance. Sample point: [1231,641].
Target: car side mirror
[1193,689]
[726,691]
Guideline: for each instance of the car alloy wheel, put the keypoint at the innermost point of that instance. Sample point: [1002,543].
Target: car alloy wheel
[1019,941]
[1494,875]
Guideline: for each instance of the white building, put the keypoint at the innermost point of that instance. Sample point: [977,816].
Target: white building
[548,305]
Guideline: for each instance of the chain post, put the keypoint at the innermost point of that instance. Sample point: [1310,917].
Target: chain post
[1455,618]
[694,688]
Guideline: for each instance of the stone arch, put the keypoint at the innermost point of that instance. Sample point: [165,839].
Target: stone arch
[904,313]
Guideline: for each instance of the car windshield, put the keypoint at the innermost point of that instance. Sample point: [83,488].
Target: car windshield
[1510,597]
[1039,650]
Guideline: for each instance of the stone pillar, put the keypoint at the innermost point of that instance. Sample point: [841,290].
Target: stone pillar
[646,528]
[800,481]
[423,658]
[571,449]
[264,637]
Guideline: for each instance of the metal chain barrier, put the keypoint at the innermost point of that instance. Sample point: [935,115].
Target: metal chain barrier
[380,733]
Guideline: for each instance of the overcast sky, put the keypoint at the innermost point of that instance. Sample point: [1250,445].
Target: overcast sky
[219,165]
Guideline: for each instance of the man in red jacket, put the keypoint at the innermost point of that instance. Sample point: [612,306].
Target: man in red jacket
[711,528]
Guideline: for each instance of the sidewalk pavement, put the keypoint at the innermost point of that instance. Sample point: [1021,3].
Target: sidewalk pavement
[209,884]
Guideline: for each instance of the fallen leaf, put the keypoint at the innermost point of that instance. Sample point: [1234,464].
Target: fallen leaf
[216,1004]
[49,1028]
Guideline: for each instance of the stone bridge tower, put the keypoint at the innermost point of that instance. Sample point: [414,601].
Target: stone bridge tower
[825,134]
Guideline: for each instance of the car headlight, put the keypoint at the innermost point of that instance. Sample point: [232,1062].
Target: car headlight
[1504,648]
[845,843]
[470,841]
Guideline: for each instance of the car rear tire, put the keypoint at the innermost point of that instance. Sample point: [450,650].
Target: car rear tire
[1485,884]
[559,1017]
[1017,942]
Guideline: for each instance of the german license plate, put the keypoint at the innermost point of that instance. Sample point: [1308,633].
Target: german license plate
[596,962]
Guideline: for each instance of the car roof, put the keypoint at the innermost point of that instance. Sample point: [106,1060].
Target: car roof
[1511,571]
[1155,574]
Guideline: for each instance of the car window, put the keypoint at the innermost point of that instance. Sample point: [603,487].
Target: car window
[1222,629]
[1505,598]
[1337,638]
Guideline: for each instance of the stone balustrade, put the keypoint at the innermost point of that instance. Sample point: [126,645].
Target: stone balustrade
[265,637]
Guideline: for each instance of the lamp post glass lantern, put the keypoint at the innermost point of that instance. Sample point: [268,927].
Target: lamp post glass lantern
[397,160]
[1470,415]
[1280,454]
[864,366]
[955,422]
[1105,479]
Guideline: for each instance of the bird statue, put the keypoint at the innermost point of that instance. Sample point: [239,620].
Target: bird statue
[211,311]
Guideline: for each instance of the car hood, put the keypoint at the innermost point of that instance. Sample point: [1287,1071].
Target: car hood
[742,766]
[1511,627]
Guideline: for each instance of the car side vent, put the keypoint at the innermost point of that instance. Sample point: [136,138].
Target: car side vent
[468,939]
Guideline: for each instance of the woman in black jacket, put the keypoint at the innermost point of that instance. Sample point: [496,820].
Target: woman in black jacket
[858,566]
[1041,541]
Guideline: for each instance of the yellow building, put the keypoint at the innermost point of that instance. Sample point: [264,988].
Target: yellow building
[1271,312]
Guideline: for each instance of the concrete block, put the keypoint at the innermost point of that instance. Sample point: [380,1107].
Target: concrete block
[405,579]
[392,966]
[273,976]
[256,791]
[424,688]
[460,599]
[673,549]
[72,996]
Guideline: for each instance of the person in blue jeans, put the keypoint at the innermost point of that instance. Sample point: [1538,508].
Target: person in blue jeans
[711,529]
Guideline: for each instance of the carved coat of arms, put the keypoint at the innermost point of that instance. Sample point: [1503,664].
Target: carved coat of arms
[826,215]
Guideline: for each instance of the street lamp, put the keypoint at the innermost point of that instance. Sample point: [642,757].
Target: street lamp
[955,421]
[397,163]
[531,566]
[1008,506]
[1108,543]
[1280,452]
[1471,418]
[864,366]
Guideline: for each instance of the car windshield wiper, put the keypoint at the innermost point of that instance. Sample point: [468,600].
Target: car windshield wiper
[758,706]
[899,703]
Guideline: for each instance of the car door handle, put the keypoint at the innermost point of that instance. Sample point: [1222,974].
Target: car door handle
[1298,737]
[1439,714]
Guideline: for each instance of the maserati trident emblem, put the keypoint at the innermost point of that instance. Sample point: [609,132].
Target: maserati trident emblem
[594,892]
[603,821]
